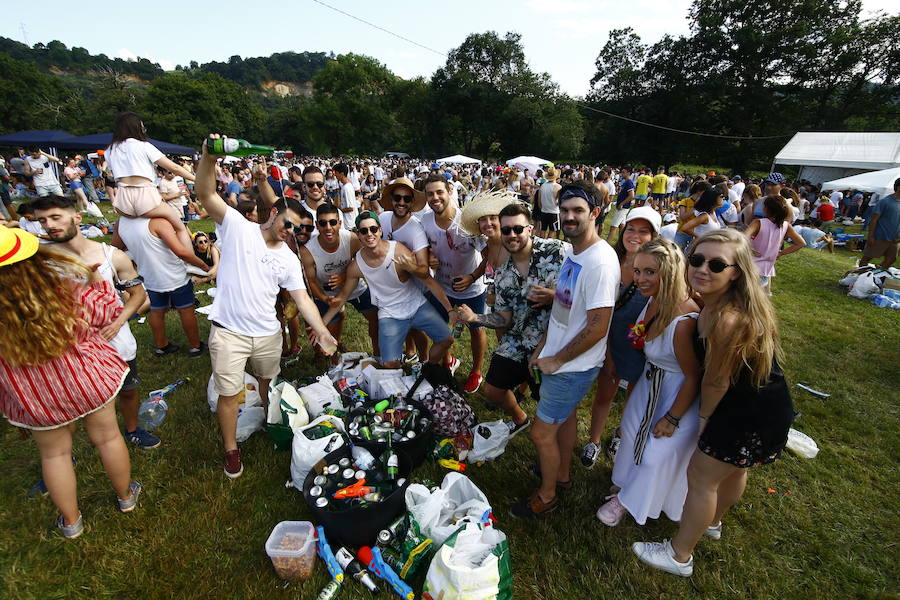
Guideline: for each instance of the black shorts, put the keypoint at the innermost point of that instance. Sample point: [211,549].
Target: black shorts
[507,374]
[550,221]
[132,379]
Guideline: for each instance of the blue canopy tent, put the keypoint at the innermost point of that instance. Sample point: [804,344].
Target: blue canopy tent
[97,141]
[44,138]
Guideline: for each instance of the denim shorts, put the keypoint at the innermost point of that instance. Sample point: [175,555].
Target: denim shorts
[478,304]
[392,332]
[183,297]
[561,393]
[362,304]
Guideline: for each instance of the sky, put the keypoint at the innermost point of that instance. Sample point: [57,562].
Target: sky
[560,37]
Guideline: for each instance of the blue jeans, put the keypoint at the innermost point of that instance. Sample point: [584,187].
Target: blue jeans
[392,332]
[561,393]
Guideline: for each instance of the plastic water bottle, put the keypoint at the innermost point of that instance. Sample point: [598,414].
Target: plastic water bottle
[363,458]
[152,413]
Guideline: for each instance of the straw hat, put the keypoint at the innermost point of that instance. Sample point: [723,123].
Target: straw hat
[387,200]
[16,245]
[482,205]
[550,174]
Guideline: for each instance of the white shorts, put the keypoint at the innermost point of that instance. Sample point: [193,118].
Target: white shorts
[619,217]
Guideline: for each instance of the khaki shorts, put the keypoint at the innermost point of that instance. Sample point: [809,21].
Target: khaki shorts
[230,351]
[878,248]
[136,200]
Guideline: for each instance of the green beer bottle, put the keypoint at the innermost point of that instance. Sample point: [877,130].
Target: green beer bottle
[235,147]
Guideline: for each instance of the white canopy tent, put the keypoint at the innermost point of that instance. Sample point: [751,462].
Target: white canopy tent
[532,163]
[825,156]
[877,182]
[458,159]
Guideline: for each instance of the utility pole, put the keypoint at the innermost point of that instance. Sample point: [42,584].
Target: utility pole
[24,33]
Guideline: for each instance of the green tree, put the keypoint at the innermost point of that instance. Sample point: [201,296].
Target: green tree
[30,99]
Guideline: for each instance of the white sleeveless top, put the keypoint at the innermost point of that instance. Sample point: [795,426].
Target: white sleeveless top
[124,342]
[712,223]
[161,269]
[395,299]
[548,203]
[334,263]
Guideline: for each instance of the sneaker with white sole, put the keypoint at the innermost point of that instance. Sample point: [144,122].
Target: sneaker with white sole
[233,465]
[142,439]
[453,364]
[714,532]
[129,503]
[473,383]
[660,555]
[516,429]
[70,532]
[614,444]
[611,513]
[590,454]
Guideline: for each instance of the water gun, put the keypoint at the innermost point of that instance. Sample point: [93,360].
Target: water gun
[166,391]
[453,465]
[357,490]
[371,557]
[327,556]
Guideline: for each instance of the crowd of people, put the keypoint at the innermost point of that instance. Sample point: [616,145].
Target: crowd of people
[669,301]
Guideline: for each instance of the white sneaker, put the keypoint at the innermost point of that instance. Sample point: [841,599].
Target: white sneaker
[611,513]
[714,532]
[660,555]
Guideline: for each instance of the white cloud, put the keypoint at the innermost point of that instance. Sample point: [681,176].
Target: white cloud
[126,54]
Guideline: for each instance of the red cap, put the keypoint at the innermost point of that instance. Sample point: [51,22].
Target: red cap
[364,554]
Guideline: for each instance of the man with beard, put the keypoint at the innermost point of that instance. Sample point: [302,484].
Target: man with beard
[62,222]
[255,264]
[314,184]
[455,256]
[388,268]
[520,312]
[325,260]
[572,350]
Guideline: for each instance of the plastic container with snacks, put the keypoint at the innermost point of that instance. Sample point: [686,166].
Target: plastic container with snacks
[292,548]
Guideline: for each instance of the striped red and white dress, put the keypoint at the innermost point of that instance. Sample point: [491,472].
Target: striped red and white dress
[77,383]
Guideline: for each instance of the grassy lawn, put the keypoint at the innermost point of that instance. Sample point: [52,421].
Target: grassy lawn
[823,532]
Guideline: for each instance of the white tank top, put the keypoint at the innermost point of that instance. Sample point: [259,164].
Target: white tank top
[548,203]
[333,263]
[161,269]
[712,223]
[395,299]
[124,342]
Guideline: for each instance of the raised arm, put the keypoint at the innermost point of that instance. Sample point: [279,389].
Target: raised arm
[165,232]
[266,193]
[205,186]
[168,165]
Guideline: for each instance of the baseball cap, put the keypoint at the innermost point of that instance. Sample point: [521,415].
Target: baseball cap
[367,214]
[736,177]
[648,214]
[776,178]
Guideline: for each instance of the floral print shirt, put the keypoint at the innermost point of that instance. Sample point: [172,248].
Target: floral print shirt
[511,289]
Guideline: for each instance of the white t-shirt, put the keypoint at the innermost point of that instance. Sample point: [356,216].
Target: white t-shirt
[133,157]
[410,234]
[458,252]
[250,275]
[47,178]
[348,200]
[586,281]
[836,198]
[739,188]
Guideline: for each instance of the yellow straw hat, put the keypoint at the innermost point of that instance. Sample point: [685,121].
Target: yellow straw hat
[16,245]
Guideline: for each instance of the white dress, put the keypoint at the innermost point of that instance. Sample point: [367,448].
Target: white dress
[652,472]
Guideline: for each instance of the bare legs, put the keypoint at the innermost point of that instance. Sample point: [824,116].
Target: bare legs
[554,444]
[506,400]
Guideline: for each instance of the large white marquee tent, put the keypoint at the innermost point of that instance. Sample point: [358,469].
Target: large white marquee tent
[824,156]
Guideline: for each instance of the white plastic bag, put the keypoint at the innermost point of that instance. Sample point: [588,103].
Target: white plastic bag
[489,441]
[249,421]
[93,210]
[422,392]
[350,366]
[305,453]
[864,286]
[472,565]
[801,444]
[382,383]
[441,512]
[248,396]
[849,279]
[292,410]
[319,396]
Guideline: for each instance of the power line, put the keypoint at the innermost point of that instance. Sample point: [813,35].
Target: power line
[396,35]
[607,113]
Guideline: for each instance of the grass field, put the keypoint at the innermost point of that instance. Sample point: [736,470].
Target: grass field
[821,528]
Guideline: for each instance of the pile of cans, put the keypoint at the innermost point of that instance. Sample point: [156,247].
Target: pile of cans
[344,484]
[391,419]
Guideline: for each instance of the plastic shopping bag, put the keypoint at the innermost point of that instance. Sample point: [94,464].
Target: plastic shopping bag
[319,396]
[489,441]
[249,421]
[93,210]
[801,444]
[350,366]
[247,397]
[441,512]
[472,564]
[864,286]
[287,407]
[306,452]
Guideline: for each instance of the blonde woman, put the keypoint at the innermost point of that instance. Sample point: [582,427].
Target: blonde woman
[56,368]
[745,405]
[660,423]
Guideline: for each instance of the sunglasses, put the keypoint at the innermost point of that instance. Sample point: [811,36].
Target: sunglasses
[715,265]
[517,229]
[297,228]
[320,184]
[402,198]
[367,230]
[327,222]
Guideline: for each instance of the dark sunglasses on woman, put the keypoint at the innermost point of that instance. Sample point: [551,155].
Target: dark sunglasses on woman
[715,265]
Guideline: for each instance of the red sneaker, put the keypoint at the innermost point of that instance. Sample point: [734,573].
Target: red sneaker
[233,465]
[452,363]
[473,383]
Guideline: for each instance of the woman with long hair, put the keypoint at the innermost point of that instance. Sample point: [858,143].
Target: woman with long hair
[370,193]
[704,214]
[206,251]
[750,199]
[767,235]
[56,368]
[332,185]
[745,405]
[623,361]
[660,423]
[133,161]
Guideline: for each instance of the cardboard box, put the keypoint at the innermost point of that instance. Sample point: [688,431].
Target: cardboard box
[891,284]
